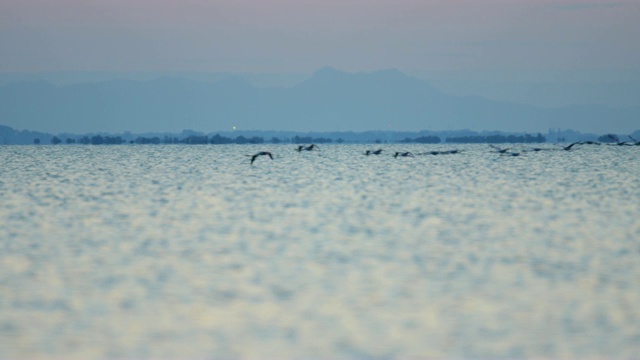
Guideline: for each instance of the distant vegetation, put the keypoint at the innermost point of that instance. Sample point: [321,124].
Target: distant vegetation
[423,140]
[9,136]
[218,139]
[190,140]
[155,140]
[497,139]
[308,140]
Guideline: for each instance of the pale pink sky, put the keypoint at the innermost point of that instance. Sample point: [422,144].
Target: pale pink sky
[303,35]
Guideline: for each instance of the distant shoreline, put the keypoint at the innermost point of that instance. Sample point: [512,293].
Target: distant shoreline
[10,136]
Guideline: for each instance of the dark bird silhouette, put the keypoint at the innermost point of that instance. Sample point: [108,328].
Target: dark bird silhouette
[504,151]
[261,153]
[499,150]
[446,152]
[568,147]
[537,149]
[403,154]
[372,152]
[307,148]
[454,151]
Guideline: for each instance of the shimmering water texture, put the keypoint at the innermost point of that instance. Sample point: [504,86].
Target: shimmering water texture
[189,251]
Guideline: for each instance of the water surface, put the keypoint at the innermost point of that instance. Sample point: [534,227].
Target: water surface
[167,251]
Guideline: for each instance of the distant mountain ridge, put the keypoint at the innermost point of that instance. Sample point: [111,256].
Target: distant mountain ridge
[330,100]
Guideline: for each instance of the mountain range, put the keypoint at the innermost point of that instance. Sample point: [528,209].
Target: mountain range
[330,100]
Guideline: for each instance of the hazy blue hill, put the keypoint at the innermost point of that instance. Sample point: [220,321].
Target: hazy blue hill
[392,100]
[10,136]
[330,100]
[365,101]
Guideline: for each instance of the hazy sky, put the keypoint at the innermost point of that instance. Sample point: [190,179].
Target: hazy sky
[304,35]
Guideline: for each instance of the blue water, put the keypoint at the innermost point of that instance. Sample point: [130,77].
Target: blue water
[189,251]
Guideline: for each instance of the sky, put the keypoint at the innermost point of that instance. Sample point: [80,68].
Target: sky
[285,36]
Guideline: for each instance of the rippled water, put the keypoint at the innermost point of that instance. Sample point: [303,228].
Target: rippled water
[166,251]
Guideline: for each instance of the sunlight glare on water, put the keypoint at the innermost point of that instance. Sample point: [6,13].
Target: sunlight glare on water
[166,251]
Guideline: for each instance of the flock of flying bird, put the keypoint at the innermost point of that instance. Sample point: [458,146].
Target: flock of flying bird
[498,150]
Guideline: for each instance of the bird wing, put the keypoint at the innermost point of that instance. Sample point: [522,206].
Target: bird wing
[499,149]
[570,146]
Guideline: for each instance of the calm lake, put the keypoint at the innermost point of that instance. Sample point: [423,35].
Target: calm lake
[190,251]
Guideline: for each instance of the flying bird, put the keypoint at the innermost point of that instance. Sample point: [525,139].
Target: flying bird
[504,151]
[589,142]
[499,150]
[454,151]
[445,152]
[403,154]
[307,148]
[567,148]
[261,153]
[372,152]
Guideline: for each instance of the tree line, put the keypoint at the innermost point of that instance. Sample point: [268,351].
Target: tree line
[422,140]
[191,140]
[218,139]
[497,139]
